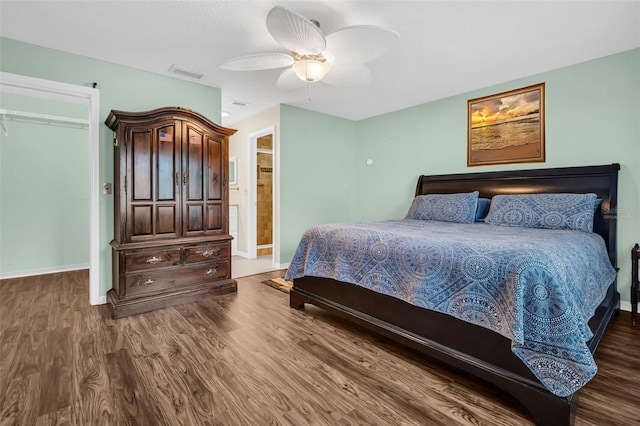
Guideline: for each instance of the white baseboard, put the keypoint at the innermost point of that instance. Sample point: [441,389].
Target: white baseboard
[43,271]
[242,254]
[100,300]
[625,306]
[282,265]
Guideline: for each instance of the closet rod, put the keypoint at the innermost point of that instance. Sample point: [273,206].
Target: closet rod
[45,117]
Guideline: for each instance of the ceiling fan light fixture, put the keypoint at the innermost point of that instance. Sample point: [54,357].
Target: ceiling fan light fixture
[310,70]
[337,59]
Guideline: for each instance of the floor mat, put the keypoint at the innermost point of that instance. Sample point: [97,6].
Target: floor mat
[279,284]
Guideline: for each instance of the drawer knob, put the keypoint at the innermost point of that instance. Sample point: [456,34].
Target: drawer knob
[207,253]
[211,272]
[147,283]
[153,260]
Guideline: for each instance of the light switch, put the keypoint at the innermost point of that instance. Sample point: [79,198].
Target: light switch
[106,188]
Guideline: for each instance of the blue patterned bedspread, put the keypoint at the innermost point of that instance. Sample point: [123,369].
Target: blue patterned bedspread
[537,287]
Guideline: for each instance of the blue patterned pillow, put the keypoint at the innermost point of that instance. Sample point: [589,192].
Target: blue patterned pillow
[548,211]
[459,208]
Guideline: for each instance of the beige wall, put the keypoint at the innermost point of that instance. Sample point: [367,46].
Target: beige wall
[239,148]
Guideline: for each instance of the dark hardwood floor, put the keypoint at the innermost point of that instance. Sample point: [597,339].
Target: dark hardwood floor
[249,359]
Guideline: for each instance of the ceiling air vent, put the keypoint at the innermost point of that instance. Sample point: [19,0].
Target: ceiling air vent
[186,72]
[239,103]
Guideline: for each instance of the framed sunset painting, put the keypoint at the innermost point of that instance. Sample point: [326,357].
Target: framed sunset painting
[506,127]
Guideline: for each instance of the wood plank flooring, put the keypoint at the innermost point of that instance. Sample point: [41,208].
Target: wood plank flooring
[249,359]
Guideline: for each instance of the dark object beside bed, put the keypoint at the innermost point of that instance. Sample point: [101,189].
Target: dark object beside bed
[635,282]
[471,348]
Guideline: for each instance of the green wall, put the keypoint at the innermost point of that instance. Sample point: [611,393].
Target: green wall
[120,88]
[422,140]
[317,176]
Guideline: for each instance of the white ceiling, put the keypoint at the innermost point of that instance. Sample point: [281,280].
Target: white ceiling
[445,48]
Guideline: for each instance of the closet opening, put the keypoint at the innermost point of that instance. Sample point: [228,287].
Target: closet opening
[50,150]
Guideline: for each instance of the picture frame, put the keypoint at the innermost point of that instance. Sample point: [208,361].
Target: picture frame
[233,172]
[507,127]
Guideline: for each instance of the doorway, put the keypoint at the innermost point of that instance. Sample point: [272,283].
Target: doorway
[262,193]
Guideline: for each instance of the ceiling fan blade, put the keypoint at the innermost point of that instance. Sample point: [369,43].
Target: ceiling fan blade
[348,76]
[360,44]
[295,32]
[261,61]
[288,80]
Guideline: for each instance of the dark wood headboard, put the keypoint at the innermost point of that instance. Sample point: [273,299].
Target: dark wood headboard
[601,180]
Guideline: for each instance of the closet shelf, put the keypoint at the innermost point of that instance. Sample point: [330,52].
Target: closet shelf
[43,117]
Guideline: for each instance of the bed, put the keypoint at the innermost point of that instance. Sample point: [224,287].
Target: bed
[487,345]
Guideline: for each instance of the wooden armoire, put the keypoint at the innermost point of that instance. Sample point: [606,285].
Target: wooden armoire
[171,228]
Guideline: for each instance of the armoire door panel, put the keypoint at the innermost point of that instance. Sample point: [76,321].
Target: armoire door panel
[141,147]
[194,184]
[215,168]
[194,164]
[166,220]
[195,218]
[214,217]
[167,164]
[141,220]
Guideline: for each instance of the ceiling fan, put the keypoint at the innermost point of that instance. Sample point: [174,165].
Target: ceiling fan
[337,59]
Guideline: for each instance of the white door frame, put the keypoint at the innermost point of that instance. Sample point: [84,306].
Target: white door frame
[48,89]
[252,202]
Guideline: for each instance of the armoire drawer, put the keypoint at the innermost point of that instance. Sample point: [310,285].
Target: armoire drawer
[206,252]
[141,261]
[154,281]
